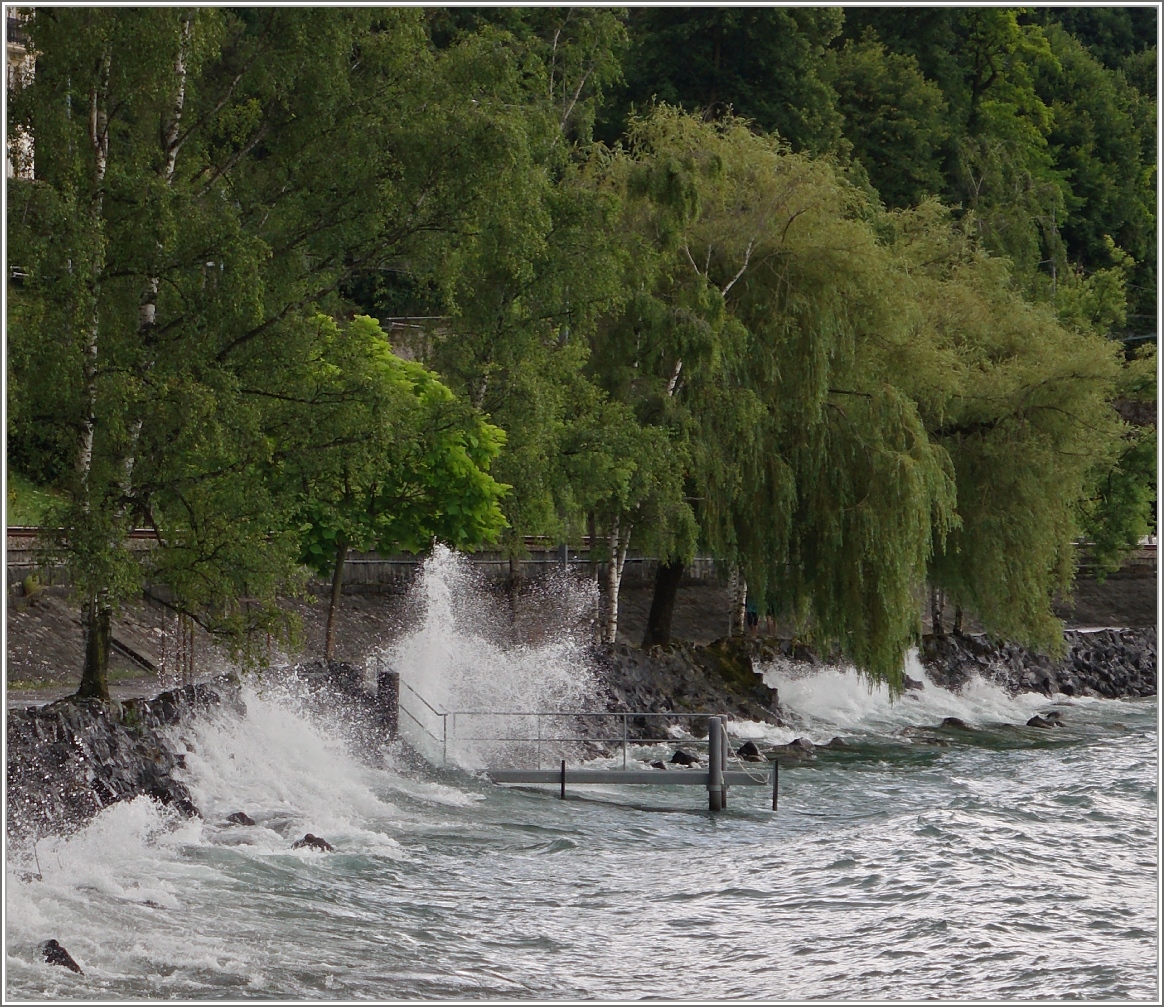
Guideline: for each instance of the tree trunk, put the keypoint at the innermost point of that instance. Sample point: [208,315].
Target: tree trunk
[937,603]
[957,620]
[98,638]
[737,613]
[741,607]
[147,312]
[337,590]
[514,588]
[99,142]
[667,578]
[618,547]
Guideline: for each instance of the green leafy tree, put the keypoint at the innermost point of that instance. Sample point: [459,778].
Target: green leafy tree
[1099,145]
[1123,508]
[764,64]
[894,119]
[414,464]
[1027,424]
[774,305]
[206,214]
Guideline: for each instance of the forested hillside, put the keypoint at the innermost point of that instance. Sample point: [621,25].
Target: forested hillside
[841,297]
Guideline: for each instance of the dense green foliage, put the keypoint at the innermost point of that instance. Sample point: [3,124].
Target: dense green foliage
[834,295]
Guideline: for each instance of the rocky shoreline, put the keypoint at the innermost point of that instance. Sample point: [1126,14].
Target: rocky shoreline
[1107,663]
[69,759]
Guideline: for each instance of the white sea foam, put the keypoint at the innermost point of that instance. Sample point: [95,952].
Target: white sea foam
[823,702]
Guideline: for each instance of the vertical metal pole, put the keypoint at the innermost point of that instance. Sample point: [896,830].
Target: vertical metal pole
[624,741]
[714,764]
[444,739]
[540,742]
[563,793]
[723,759]
[775,783]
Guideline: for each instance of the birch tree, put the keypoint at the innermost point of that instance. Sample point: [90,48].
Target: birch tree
[226,173]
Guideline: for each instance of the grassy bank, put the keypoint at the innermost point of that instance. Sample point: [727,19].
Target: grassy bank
[25,503]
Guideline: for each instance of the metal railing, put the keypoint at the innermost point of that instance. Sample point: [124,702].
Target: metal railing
[442,729]
[716,777]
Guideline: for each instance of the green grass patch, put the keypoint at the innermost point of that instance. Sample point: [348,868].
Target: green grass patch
[30,683]
[26,503]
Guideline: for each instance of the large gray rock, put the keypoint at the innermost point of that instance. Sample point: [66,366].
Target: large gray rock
[683,678]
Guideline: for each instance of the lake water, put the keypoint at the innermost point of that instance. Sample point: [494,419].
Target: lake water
[1003,862]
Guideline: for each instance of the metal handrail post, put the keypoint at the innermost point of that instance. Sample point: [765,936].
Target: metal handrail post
[723,758]
[445,739]
[714,764]
[624,741]
[539,741]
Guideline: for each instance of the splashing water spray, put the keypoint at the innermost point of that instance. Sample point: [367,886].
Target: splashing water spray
[455,663]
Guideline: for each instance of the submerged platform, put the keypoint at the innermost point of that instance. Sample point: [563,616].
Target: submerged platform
[677,777]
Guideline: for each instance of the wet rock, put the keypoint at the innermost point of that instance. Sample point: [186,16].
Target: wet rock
[682,758]
[70,759]
[680,679]
[956,723]
[750,753]
[835,744]
[55,954]
[314,843]
[240,818]
[801,748]
[658,765]
[1108,663]
[1048,720]
[911,683]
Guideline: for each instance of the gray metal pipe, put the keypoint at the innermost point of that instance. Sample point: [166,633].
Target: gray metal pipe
[723,758]
[714,764]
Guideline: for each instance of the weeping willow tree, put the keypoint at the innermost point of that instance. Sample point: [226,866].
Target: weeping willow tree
[765,337]
[865,400]
[1027,422]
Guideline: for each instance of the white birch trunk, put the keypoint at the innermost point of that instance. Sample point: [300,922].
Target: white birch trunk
[738,594]
[99,144]
[619,542]
[147,311]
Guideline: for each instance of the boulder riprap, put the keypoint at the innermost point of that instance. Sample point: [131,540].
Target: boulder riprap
[55,954]
[313,843]
[68,760]
[1108,663]
[682,678]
